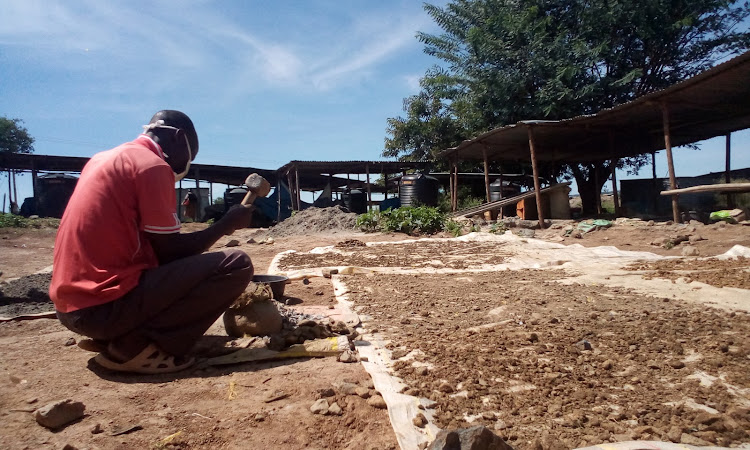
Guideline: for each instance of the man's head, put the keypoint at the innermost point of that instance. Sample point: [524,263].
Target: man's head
[175,133]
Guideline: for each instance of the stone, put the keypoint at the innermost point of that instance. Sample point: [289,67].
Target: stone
[526,233]
[421,371]
[528,224]
[346,388]
[376,401]
[584,345]
[320,407]
[254,319]
[347,356]
[70,341]
[259,417]
[362,392]
[232,243]
[335,409]
[695,238]
[251,241]
[419,421]
[305,281]
[692,440]
[689,250]
[474,438]
[326,392]
[445,387]
[58,414]
[96,429]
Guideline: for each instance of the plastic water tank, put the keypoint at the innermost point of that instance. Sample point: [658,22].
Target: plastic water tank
[418,189]
[355,201]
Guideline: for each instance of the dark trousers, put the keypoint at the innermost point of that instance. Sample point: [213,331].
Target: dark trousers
[172,306]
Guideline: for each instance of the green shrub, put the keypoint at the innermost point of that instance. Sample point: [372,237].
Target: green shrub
[408,219]
[8,220]
[454,228]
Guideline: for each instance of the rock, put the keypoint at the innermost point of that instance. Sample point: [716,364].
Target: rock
[474,438]
[327,392]
[419,421]
[58,414]
[692,440]
[689,250]
[445,387]
[251,241]
[650,223]
[608,364]
[254,319]
[70,341]
[584,345]
[695,238]
[677,364]
[576,234]
[376,401]
[347,356]
[305,281]
[421,371]
[320,407]
[232,243]
[96,429]
[674,434]
[526,233]
[346,388]
[362,392]
[533,337]
[335,409]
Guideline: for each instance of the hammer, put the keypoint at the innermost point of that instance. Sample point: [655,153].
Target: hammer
[257,186]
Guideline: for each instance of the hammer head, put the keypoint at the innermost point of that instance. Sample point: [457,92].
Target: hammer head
[258,185]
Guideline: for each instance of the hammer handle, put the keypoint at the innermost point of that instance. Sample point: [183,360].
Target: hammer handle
[249,198]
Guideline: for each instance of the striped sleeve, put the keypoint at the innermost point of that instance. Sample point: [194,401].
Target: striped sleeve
[157,202]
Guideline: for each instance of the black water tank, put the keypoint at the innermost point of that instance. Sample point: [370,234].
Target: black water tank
[233,196]
[355,201]
[418,189]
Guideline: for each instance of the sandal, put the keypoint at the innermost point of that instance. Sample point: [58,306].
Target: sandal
[150,361]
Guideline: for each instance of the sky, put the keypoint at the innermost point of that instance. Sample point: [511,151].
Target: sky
[265,82]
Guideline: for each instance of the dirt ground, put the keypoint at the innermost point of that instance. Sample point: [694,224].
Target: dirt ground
[542,357]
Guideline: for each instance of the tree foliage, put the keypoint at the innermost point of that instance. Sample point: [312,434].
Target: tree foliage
[512,60]
[14,137]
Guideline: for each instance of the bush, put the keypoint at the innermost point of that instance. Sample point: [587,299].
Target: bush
[8,220]
[408,219]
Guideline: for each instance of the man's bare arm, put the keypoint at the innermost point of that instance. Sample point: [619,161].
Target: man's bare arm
[170,247]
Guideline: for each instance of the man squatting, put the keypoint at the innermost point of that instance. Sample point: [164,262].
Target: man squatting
[123,273]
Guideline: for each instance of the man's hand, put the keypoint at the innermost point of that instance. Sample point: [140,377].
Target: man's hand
[237,217]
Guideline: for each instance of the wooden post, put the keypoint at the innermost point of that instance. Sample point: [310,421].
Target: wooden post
[596,186]
[486,173]
[670,162]
[369,191]
[291,189]
[34,182]
[210,192]
[198,193]
[450,184]
[297,188]
[502,208]
[10,189]
[278,198]
[15,189]
[615,194]
[727,171]
[455,185]
[535,170]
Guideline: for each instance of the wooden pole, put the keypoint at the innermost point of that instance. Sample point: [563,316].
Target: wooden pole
[199,206]
[34,177]
[10,189]
[670,162]
[455,185]
[728,170]
[486,173]
[291,189]
[502,208]
[278,198]
[537,185]
[297,188]
[596,186]
[450,184]
[369,191]
[613,166]
[15,188]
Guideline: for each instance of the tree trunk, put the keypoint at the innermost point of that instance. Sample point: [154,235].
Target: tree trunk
[589,185]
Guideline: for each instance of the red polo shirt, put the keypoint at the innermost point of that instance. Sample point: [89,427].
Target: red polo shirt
[101,247]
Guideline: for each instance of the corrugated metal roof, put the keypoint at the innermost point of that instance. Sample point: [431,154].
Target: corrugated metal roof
[713,103]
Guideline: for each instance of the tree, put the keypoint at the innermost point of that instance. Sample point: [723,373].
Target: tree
[512,60]
[14,138]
